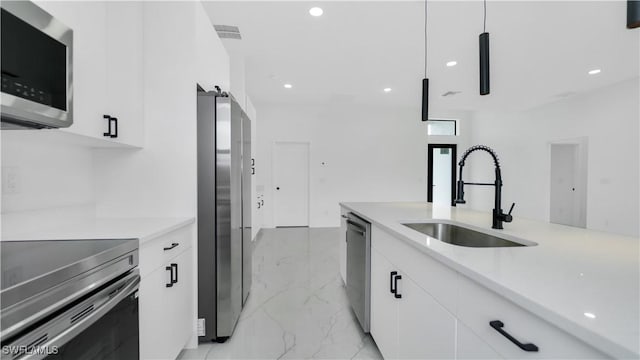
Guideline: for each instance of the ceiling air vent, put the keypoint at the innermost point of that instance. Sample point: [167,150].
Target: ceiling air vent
[450,93]
[228,32]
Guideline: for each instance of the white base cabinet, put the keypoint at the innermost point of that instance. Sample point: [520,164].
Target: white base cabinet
[166,295]
[470,347]
[384,306]
[407,323]
[445,315]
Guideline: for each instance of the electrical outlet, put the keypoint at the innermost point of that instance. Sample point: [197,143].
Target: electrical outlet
[10,180]
[201,331]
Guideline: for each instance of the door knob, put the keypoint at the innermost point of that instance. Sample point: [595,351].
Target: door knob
[278,188]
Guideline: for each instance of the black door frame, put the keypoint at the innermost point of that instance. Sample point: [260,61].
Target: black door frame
[454,170]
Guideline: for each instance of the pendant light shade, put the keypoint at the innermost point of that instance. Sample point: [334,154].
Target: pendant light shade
[425,80]
[633,14]
[425,99]
[484,64]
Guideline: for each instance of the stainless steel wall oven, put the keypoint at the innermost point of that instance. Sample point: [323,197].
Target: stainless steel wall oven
[70,299]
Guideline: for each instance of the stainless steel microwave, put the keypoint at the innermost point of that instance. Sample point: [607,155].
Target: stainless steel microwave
[37,64]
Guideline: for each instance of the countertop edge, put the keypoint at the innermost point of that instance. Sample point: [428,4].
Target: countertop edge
[593,339]
[179,224]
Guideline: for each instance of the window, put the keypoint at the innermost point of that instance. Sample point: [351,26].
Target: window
[442,127]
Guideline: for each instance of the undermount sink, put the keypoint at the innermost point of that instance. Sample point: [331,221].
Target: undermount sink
[462,236]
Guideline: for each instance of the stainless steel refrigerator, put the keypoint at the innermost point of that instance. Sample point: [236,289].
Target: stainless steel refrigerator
[224,214]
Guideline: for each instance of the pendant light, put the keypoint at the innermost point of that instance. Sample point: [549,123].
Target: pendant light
[633,14]
[425,80]
[484,55]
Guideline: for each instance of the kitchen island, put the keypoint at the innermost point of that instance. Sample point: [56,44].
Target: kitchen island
[574,294]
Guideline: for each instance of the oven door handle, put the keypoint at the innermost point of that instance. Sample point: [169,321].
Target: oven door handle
[131,283]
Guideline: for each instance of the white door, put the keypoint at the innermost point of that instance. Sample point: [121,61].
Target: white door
[442,176]
[564,193]
[291,184]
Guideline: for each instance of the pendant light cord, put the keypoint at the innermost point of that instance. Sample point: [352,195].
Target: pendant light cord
[484,23]
[425,38]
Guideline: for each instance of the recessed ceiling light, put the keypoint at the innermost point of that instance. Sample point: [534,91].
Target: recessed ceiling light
[590,315]
[288,86]
[316,11]
[594,71]
[452,63]
[386,90]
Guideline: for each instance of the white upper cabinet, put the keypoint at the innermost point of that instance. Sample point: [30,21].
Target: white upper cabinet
[107,67]
[125,80]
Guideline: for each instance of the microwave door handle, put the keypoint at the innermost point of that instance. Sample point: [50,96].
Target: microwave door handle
[83,324]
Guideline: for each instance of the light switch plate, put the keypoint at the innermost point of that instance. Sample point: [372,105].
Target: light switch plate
[10,180]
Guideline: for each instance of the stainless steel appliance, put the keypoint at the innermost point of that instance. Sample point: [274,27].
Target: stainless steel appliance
[224,213]
[37,63]
[359,268]
[70,299]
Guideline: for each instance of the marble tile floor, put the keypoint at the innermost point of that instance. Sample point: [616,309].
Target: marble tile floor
[298,307]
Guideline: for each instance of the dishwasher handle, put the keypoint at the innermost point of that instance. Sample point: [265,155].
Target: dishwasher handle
[353,226]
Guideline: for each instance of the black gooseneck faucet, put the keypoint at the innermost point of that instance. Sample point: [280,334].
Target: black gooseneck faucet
[498,216]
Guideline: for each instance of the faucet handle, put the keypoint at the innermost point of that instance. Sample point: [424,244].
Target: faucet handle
[507,217]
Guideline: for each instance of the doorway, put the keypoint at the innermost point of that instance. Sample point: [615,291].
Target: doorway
[441,173]
[568,174]
[291,184]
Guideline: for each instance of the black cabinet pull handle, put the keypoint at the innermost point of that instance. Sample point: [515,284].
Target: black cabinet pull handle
[253,162]
[170,269]
[108,118]
[174,266]
[391,276]
[173,245]
[115,127]
[395,283]
[498,325]
[112,132]
[253,171]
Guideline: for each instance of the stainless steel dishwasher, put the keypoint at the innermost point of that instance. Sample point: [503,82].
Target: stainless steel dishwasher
[359,268]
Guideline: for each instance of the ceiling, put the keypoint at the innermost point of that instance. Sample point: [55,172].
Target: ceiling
[541,51]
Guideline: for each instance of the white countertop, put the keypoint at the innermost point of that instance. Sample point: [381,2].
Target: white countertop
[143,229]
[570,272]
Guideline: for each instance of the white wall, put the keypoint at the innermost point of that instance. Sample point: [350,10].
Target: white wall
[357,154]
[607,117]
[160,180]
[49,173]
